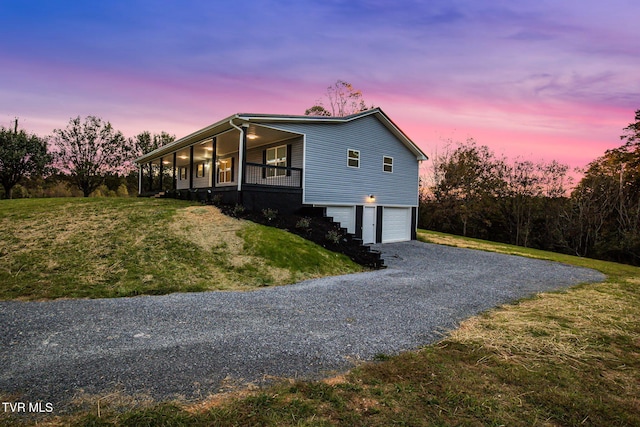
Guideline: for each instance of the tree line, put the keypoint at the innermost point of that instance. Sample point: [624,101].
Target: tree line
[472,192]
[88,157]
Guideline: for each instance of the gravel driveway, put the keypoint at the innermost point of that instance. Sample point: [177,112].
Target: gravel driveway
[185,345]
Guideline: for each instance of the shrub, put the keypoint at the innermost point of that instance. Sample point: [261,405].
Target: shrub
[269,214]
[100,191]
[58,189]
[122,191]
[303,223]
[333,236]
[19,192]
[237,211]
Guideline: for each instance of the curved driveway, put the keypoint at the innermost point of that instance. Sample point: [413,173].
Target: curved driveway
[185,345]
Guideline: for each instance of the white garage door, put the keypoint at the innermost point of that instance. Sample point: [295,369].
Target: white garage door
[396,225]
[345,215]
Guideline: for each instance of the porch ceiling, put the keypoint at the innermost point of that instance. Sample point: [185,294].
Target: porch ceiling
[261,135]
[227,143]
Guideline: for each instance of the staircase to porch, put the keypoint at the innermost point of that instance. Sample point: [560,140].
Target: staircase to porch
[355,249]
[363,254]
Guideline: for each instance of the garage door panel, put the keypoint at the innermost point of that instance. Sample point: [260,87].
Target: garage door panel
[345,215]
[396,225]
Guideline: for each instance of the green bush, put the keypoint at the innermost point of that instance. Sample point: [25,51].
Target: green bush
[269,214]
[122,191]
[303,223]
[333,236]
[237,211]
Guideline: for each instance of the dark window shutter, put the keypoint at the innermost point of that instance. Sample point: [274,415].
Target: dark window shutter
[264,162]
[288,159]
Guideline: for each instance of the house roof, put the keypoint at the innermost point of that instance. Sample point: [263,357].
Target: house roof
[246,118]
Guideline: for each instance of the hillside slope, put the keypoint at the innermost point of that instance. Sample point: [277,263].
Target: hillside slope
[114,247]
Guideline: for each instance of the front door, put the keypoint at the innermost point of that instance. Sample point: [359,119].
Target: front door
[369,225]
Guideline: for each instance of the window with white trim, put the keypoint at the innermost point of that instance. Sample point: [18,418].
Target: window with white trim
[276,156]
[200,170]
[387,164]
[353,158]
[224,170]
[183,173]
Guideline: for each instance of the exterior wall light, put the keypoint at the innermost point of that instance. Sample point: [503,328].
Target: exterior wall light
[371,198]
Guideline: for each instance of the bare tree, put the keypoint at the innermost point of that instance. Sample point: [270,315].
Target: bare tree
[343,100]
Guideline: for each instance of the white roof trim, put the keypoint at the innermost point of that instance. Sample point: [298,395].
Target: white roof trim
[224,126]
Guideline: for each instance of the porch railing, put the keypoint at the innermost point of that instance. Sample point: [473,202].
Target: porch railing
[278,176]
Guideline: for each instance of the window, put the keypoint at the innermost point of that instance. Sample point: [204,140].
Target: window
[276,156]
[225,170]
[183,173]
[200,170]
[387,164]
[353,158]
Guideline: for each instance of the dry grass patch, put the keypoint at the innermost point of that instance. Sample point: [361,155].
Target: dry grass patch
[571,327]
[461,242]
[208,228]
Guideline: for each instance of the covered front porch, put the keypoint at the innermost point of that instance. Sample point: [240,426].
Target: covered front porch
[253,165]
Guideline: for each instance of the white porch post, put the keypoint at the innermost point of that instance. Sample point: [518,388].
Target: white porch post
[241,153]
[190,167]
[212,168]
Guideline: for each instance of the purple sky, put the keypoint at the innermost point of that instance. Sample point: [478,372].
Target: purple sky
[538,79]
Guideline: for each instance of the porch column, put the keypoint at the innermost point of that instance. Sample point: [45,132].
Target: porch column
[190,167]
[242,154]
[161,171]
[150,177]
[139,179]
[214,169]
[175,182]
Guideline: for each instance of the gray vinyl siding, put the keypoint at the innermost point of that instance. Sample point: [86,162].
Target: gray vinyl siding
[202,182]
[182,184]
[328,180]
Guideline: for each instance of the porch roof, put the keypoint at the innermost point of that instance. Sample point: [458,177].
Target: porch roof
[247,118]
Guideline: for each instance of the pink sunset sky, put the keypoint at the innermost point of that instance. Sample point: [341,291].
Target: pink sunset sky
[541,79]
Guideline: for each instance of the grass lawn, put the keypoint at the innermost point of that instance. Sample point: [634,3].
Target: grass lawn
[566,358]
[114,247]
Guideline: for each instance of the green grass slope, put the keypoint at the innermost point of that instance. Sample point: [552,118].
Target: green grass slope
[114,247]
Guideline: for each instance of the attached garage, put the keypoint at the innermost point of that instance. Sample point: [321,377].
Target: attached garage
[396,224]
[382,224]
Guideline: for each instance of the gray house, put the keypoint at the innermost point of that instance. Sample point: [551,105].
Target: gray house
[361,169]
